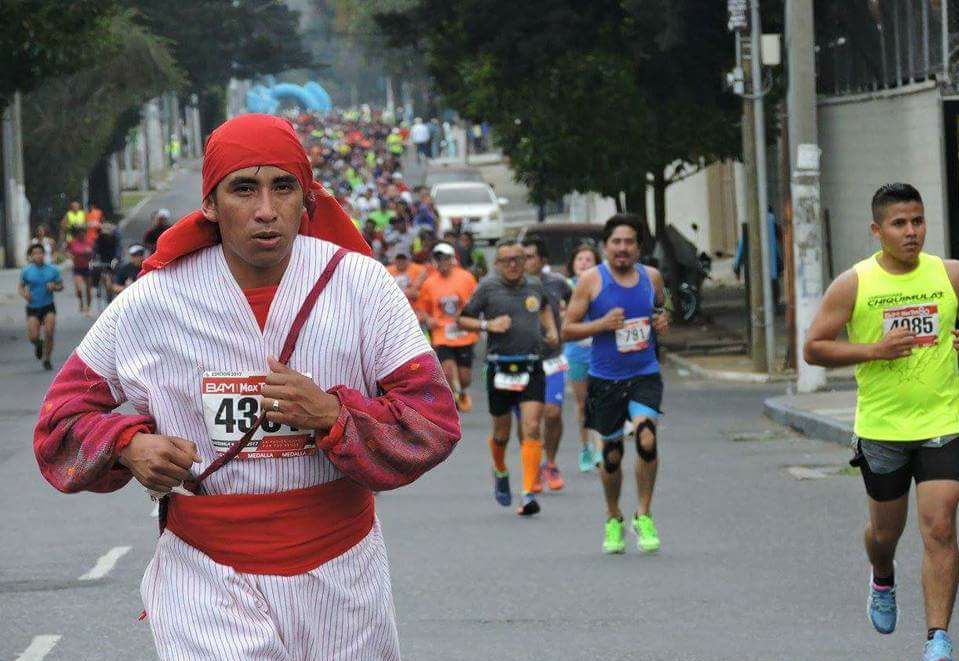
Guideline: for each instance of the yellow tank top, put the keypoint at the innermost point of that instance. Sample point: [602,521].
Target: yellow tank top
[916,397]
[76,219]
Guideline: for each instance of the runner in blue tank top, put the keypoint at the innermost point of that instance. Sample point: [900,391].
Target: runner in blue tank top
[616,304]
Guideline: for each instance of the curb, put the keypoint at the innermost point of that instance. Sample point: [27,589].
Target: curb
[725,375]
[806,422]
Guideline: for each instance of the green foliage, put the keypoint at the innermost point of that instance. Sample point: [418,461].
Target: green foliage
[588,95]
[215,40]
[71,121]
[44,38]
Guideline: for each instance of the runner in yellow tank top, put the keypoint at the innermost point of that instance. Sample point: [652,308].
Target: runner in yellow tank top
[899,308]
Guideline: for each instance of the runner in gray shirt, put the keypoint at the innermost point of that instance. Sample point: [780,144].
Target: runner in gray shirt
[520,327]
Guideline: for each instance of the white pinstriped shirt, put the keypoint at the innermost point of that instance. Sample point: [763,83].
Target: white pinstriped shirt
[155,341]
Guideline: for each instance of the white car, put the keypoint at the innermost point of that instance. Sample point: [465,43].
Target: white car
[475,203]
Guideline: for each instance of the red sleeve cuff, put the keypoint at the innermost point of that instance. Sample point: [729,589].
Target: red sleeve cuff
[335,434]
[126,436]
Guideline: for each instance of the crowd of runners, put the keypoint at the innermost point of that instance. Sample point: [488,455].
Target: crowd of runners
[591,329]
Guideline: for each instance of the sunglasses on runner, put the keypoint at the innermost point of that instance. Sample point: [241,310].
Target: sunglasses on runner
[511,260]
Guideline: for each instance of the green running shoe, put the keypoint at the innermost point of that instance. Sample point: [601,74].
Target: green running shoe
[647,537]
[614,542]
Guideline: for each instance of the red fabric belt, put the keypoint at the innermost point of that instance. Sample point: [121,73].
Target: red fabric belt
[283,534]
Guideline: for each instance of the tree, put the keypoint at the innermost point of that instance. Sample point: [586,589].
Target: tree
[606,95]
[215,40]
[61,147]
[40,39]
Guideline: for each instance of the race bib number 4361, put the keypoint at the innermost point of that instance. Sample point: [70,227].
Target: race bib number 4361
[922,320]
[231,406]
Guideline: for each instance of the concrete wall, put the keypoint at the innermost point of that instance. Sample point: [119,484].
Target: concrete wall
[870,140]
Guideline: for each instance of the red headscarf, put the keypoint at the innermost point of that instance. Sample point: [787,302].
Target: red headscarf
[242,142]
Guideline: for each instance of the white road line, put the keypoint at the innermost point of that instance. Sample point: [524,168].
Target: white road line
[40,646]
[105,563]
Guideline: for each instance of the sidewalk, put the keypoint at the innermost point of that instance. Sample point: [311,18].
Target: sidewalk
[825,415]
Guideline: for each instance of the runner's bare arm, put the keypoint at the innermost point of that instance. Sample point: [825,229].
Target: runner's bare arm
[952,270]
[549,326]
[24,291]
[574,328]
[822,346]
[660,319]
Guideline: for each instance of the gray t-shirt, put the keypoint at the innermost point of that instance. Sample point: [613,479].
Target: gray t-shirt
[558,291]
[522,302]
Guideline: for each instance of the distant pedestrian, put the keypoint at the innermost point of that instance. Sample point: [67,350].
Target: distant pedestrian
[161,223]
[420,136]
[38,281]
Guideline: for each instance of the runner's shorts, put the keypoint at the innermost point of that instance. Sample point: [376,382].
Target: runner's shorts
[608,403]
[463,356]
[556,387]
[502,402]
[889,467]
[41,313]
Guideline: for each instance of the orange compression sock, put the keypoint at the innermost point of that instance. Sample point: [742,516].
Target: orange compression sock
[531,453]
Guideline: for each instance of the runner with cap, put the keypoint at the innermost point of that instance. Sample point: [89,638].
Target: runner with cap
[279,378]
[442,296]
[128,272]
[618,304]
[515,314]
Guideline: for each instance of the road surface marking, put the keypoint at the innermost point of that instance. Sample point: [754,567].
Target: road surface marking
[105,563]
[40,646]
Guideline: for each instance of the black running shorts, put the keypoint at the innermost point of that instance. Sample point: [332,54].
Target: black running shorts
[607,402]
[889,467]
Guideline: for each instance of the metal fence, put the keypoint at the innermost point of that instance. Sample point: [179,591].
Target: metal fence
[868,45]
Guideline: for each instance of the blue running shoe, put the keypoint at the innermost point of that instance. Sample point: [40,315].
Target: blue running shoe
[881,607]
[501,491]
[939,648]
[586,461]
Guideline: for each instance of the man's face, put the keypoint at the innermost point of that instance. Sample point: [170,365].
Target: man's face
[401,262]
[902,230]
[622,248]
[509,262]
[74,206]
[534,263]
[137,260]
[258,210]
[444,263]
[36,256]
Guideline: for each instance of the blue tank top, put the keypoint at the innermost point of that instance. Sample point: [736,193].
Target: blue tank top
[630,352]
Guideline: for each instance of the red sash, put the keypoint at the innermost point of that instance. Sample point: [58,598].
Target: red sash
[284,533]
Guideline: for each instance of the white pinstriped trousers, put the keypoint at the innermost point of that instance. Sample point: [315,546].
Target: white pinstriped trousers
[340,611]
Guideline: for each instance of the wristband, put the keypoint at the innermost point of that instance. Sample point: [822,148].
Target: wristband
[483,325]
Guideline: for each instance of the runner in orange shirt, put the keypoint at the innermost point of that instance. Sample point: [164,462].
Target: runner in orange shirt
[441,298]
[408,274]
[94,223]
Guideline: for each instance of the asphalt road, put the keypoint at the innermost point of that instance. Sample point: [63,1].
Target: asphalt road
[755,565]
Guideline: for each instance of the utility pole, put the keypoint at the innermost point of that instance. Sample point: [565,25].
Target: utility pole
[804,159]
[17,222]
[754,271]
[762,200]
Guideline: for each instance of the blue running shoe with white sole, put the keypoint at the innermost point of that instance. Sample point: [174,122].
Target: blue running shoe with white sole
[501,491]
[881,607]
[939,648]
[586,460]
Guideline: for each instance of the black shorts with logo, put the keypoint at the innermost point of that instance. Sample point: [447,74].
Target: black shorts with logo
[607,401]
[889,467]
[462,355]
[41,313]
[502,402]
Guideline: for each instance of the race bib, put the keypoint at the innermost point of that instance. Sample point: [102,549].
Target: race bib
[634,335]
[231,405]
[553,365]
[923,320]
[512,382]
[453,331]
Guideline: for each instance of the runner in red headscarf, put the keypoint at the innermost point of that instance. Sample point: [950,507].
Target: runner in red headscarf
[279,377]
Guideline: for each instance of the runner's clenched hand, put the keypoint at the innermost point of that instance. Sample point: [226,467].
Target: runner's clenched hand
[614,319]
[159,462]
[301,403]
[500,324]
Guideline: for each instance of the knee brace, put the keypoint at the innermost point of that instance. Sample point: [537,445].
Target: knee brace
[610,464]
[646,455]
